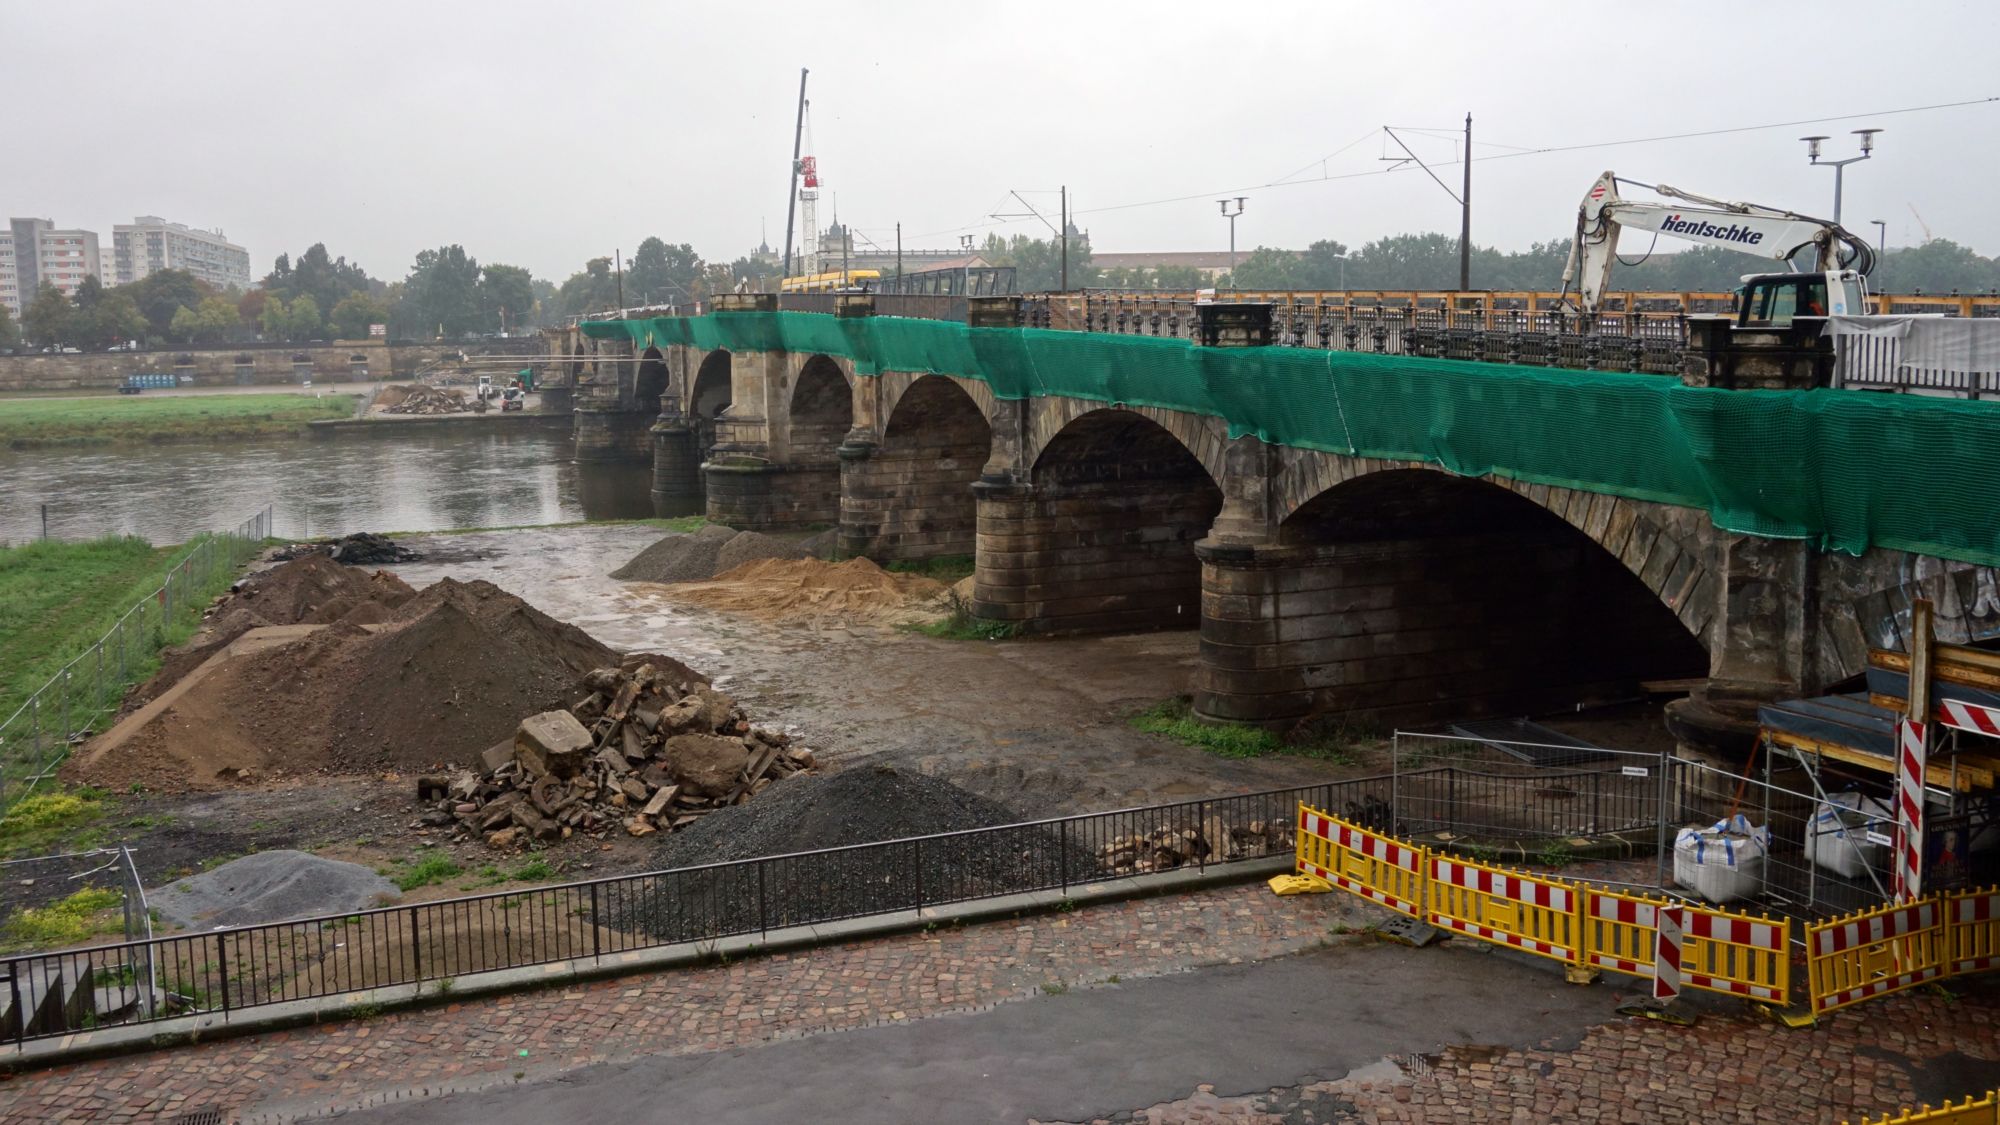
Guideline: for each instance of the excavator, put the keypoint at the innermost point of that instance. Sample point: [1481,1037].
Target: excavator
[1836,286]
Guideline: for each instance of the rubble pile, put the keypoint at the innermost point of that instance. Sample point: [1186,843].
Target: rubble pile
[420,399]
[1164,849]
[650,747]
[363,548]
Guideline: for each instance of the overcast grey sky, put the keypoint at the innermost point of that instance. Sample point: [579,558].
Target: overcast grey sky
[543,134]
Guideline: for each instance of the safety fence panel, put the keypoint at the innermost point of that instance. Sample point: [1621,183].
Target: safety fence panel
[1972,1111]
[1737,954]
[1528,913]
[1354,859]
[1972,926]
[1875,952]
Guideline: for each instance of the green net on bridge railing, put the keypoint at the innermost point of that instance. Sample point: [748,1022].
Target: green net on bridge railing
[1842,469]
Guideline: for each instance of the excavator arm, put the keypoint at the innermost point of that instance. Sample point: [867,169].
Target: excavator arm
[1763,231]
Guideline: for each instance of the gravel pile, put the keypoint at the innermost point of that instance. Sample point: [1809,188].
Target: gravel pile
[270,887]
[861,805]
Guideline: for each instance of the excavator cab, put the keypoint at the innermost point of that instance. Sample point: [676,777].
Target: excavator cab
[1775,300]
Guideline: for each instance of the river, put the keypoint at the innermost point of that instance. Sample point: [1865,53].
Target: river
[428,479]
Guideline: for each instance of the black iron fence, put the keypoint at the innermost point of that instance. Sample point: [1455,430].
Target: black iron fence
[49,994]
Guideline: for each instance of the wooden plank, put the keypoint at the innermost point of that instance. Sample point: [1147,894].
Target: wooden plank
[1936,773]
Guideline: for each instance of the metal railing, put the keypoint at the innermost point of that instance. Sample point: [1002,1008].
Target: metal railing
[231,969]
[63,711]
[1651,342]
[1886,363]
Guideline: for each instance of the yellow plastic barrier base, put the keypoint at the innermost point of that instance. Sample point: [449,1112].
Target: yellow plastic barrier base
[1299,885]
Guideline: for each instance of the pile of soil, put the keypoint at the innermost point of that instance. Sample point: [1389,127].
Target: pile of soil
[309,590]
[713,550]
[822,594]
[861,805]
[452,673]
[362,548]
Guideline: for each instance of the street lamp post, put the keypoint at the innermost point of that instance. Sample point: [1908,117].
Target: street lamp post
[1231,216]
[1840,166]
[1881,244]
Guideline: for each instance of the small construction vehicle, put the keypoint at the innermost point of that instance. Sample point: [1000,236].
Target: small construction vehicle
[1837,286]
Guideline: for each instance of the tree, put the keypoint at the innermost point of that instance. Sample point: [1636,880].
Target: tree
[506,297]
[318,275]
[663,273]
[212,322]
[355,313]
[1038,263]
[302,319]
[593,290]
[441,295]
[49,321]
[162,293]
[10,333]
[112,318]
[273,323]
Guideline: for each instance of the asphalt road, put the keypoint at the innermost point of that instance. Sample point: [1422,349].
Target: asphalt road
[1087,1052]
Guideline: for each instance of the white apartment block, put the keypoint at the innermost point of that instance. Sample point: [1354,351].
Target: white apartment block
[150,243]
[34,253]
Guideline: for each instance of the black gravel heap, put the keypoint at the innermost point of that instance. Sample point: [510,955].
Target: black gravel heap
[809,813]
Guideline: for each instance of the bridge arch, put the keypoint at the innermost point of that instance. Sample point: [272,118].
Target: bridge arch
[709,394]
[1202,436]
[818,414]
[910,497]
[1409,594]
[650,380]
[1102,536]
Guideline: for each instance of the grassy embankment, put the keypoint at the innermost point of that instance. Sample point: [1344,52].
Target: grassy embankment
[1175,719]
[26,423]
[57,599]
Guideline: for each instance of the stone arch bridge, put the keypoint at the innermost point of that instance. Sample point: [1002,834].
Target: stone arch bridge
[1330,569]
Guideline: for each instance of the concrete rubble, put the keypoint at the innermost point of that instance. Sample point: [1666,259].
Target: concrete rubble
[1165,849]
[644,750]
[420,399]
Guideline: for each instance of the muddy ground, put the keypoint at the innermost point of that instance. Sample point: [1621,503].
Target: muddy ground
[1037,725]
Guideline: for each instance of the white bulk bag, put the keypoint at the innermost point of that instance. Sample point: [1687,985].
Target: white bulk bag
[1723,862]
[1837,837]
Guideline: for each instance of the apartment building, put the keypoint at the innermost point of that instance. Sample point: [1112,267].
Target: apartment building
[150,243]
[33,252]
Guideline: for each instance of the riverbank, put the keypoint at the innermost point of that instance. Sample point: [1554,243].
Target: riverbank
[57,599]
[44,422]
[396,423]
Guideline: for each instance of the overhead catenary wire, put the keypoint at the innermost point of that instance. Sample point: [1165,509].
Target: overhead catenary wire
[1541,151]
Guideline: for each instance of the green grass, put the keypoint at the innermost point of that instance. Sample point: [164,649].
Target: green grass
[26,423]
[948,569]
[959,624]
[1175,719]
[39,822]
[433,868]
[57,599]
[535,870]
[66,921]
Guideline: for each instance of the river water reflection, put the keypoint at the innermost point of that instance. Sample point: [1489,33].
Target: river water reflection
[428,479]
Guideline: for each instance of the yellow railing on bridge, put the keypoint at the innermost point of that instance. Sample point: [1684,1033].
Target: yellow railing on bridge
[1511,300]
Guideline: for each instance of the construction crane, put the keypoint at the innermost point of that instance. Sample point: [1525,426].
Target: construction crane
[1837,287]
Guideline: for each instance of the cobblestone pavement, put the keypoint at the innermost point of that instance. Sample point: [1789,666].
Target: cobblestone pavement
[470,1045]
[1730,1067]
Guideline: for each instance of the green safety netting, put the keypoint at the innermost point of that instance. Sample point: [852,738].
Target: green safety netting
[1846,470]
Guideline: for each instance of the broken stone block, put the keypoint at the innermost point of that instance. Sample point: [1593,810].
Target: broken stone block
[496,756]
[707,765]
[639,826]
[505,838]
[635,790]
[552,744]
[661,800]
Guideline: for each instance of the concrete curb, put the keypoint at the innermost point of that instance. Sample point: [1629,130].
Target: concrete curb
[208,1026]
[334,427]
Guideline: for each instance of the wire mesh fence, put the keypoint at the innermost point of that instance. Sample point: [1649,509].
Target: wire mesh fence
[225,970]
[65,711]
[1515,790]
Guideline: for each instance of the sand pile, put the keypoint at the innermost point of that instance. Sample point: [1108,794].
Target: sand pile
[821,594]
[310,590]
[714,549]
[452,674]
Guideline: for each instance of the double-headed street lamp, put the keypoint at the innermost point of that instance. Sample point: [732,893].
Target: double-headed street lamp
[1231,216]
[1840,166]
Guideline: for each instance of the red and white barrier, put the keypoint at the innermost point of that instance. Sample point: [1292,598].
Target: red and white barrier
[1911,755]
[1975,717]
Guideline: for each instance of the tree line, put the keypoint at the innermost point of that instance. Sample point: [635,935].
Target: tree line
[447,293]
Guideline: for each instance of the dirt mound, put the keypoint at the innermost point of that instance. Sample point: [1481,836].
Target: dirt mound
[855,592]
[309,590]
[457,669]
[713,550]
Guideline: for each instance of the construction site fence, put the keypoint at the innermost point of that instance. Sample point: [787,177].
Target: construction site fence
[1972,1111]
[1596,928]
[608,922]
[66,710]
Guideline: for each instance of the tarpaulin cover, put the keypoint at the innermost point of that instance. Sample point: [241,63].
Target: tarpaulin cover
[1844,470]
